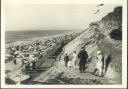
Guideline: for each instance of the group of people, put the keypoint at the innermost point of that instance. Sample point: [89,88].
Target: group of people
[81,60]
[29,52]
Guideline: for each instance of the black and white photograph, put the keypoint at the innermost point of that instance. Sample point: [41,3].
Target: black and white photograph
[72,44]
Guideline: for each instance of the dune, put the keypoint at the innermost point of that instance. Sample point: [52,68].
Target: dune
[111,46]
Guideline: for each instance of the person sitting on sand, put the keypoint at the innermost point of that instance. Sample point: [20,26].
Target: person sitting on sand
[66,59]
[99,63]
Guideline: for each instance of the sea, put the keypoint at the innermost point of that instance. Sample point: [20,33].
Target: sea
[13,36]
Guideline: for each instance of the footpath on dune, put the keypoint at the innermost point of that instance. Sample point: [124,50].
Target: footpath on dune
[107,33]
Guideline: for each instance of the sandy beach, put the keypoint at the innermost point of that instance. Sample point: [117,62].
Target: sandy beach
[42,50]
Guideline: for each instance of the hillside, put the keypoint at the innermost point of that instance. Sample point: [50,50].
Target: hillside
[105,35]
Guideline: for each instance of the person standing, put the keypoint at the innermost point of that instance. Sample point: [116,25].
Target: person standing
[14,61]
[99,63]
[74,59]
[83,56]
[66,59]
[34,64]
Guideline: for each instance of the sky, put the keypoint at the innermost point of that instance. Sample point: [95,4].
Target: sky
[38,16]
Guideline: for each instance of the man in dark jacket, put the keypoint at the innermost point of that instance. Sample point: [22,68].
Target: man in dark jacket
[66,59]
[82,55]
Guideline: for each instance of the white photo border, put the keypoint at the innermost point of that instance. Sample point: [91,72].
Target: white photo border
[124,43]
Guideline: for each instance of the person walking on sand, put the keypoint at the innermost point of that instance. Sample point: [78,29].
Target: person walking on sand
[74,58]
[83,56]
[99,63]
[66,59]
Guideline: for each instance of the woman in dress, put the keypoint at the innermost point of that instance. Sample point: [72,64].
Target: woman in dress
[99,63]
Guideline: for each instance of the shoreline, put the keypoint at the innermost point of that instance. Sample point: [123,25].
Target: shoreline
[41,38]
[7,41]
